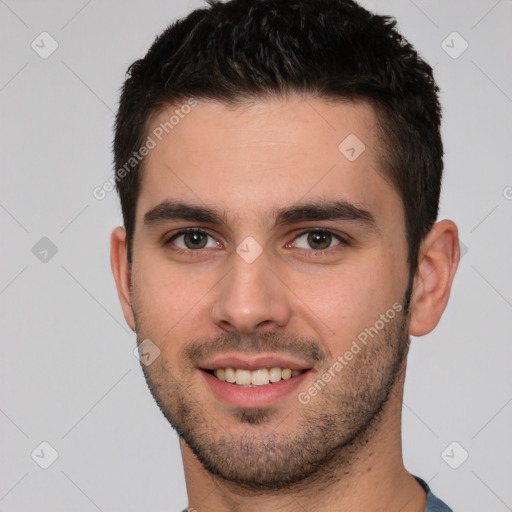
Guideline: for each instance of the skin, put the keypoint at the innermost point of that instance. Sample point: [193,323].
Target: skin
[342,450]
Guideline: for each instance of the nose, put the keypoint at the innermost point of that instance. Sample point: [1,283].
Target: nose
[251,298]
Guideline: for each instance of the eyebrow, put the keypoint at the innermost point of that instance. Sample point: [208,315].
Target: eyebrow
[171,211]
[303,212]
[325,210]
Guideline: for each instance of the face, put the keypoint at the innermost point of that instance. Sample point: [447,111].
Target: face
[270,270]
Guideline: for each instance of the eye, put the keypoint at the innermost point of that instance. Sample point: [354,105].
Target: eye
[193,239]
[318,240]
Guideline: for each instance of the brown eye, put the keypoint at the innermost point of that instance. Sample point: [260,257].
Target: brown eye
[319,239]
[195,240]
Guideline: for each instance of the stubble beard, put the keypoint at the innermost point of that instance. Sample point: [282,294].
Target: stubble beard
[330,432]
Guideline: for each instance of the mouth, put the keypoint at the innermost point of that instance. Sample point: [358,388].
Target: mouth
[255,378]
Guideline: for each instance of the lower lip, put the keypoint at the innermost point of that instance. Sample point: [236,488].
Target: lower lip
[252,397]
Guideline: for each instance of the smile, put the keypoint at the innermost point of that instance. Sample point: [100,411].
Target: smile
[254,378]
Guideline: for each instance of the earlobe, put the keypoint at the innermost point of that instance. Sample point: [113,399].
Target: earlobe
[121,272]
[438,260]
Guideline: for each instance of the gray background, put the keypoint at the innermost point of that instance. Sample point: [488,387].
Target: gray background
[69,376]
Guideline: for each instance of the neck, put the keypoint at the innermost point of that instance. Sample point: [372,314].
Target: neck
[368,474]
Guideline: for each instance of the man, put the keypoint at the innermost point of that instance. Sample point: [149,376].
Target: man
[279,166]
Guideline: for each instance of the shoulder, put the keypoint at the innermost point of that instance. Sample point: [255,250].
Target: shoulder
[434,504]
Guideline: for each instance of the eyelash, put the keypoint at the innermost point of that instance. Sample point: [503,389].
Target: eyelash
[314,252]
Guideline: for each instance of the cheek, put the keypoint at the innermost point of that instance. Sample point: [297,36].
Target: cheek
[168,299]
[345,302]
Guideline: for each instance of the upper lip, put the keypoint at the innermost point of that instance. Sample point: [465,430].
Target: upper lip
[255,362]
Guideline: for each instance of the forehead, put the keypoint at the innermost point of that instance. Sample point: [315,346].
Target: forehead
[252,159]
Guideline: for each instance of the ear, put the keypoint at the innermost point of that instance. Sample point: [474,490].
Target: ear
[439,257]
[121,271]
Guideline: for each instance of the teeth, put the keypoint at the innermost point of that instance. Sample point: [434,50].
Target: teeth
[230,375]
[243,377]
[260,377]
[275,374]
